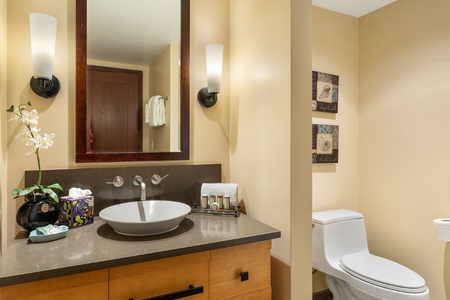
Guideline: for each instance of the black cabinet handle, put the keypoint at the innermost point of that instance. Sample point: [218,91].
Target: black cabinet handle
[244,276]
[178,295]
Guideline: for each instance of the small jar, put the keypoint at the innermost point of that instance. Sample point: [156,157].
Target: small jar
[220,200]
[212,197]
[204,201]
[226,202]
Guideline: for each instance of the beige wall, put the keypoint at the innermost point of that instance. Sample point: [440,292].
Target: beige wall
[261,126]
[209,140]
[160,83]
[404,115]
[336,52]
[3,123]
[301,179]
[58,115]
[174,100]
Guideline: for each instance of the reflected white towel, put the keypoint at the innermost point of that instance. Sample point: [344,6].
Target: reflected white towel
[156,111]
[162,111]
[225,188]
[153,112]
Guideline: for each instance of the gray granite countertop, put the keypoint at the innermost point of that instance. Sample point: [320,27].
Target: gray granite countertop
[97,246]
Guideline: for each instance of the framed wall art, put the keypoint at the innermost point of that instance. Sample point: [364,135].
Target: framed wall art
[325,92]
[325,144]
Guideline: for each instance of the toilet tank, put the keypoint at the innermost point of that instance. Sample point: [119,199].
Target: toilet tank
[336,233]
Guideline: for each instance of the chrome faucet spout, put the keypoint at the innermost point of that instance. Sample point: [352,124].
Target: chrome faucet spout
[138,181]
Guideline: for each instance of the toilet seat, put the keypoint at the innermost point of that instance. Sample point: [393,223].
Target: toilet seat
[382,272]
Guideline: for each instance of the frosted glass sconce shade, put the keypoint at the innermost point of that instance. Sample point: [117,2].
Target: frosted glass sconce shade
[43,40]
[214,61]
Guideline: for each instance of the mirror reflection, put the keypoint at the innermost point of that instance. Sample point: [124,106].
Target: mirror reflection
[133,76]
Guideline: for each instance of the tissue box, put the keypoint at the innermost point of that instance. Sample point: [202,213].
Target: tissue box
[76,212]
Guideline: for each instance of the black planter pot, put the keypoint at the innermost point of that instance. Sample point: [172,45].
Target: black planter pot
[38,210]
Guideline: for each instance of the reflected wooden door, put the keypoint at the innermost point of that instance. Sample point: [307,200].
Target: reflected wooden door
[114,110]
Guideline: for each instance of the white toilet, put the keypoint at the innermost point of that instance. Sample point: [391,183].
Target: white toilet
[340,251]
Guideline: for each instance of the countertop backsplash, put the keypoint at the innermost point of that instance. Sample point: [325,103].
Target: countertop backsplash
[183,183]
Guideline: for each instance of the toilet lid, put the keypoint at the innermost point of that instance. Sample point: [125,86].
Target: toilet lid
[382,272]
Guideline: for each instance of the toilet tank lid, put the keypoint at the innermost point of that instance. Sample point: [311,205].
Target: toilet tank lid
[333,216]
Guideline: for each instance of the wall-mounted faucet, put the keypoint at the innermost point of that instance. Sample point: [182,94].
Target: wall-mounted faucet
[137,180]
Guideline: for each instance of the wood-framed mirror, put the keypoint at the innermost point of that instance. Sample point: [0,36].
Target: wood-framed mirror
[140,130]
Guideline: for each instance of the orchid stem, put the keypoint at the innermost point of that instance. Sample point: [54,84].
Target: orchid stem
[39,165]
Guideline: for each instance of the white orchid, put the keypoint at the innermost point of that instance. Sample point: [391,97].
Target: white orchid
[35,130]
[48,138]
[31,137]
[30,118]
[24,136]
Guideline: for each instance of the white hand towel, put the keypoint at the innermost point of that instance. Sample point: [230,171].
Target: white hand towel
[153,112]
[225,188]
[162,111]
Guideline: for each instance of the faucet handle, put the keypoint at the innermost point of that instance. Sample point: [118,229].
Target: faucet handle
[156,179]
[117,181]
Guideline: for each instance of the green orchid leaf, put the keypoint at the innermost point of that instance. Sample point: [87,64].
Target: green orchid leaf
[11,109]
[57,186]
[25,191]
[51,193]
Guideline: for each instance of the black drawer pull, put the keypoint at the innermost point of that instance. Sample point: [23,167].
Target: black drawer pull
[244,276]
[180,294]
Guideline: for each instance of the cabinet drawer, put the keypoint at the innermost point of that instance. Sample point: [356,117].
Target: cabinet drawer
[160,277]
[227,264]
[91,284]
[265,294]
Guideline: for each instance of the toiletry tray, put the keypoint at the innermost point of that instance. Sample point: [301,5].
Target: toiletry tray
[234,211]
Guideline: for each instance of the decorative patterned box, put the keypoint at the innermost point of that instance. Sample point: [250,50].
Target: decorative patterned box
[76,212]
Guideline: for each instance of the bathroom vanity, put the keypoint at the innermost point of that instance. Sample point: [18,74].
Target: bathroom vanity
[207,257]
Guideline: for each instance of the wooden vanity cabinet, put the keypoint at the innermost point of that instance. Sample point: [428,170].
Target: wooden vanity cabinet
[90,285]
[240,272]
[233,273]
[160,277]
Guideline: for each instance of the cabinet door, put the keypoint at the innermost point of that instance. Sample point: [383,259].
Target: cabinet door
[227,264]
[160,277]
[90,285]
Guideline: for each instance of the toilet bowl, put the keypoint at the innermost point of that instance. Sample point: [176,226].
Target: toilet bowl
[340,251]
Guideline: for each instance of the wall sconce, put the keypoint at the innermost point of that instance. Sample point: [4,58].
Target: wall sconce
[43,39]
[207,96]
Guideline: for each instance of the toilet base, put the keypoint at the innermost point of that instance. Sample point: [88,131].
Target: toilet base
[341,290]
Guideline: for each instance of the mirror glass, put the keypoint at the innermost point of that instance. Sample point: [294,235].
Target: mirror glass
[136,74]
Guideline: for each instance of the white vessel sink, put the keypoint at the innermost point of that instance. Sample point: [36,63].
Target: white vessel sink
[145,217]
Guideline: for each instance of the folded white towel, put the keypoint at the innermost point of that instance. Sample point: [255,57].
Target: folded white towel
[162,111]
[156,111]
[225,188]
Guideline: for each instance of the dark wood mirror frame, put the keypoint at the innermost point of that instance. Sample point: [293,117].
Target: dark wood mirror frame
[81,67]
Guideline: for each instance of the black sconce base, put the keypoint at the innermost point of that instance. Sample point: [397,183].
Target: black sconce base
[45,88]
[205,98]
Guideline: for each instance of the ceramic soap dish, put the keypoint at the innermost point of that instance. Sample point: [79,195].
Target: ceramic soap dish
[37,236]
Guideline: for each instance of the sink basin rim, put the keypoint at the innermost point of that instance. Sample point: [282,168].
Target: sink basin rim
[107,218]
